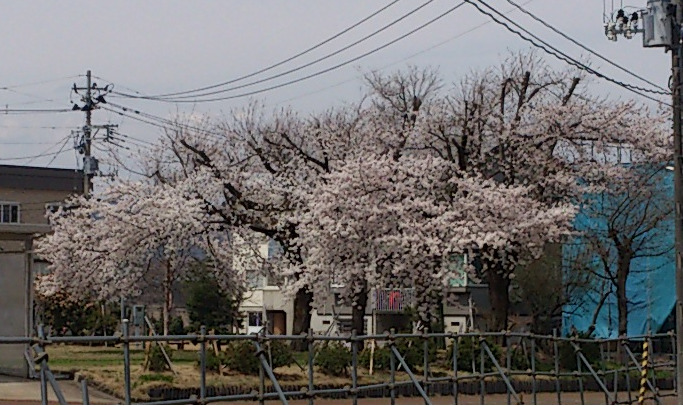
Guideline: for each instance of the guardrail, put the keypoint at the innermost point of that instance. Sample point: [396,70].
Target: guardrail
[494,361]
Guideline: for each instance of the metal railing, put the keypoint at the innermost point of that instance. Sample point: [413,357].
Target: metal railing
[478,364]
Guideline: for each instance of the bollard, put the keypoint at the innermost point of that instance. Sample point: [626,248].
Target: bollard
[643,374]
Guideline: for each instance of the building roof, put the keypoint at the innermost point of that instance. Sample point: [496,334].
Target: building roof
[37,178]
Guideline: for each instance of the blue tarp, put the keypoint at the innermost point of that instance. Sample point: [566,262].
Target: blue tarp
[650,288]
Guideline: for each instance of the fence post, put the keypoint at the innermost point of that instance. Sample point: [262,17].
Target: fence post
[627,367]
[533,368]
[651,359]
[311,356]
[412,377]
[84,391]
[579,373]
[602,368]
[126,361]
[672,334]
[43,372]
[354,366]
[261,375]
[454,344]
[482,384]
[267,368]
[392,364]
[202,360]
[425,354]
[556,354]
[508,362]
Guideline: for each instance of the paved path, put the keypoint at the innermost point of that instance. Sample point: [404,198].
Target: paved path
[23,391]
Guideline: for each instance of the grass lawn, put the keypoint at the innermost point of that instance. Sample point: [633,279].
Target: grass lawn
[104,366]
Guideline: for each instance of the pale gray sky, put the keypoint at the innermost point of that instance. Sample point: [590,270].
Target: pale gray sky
[156,46]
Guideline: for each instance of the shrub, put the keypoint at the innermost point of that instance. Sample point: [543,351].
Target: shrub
[156,362]
[176,326]
[213,361]
[469,351]
[518,360]
[567,355]
[281,353]
[381,358]
[411,349]
[334,359]
[241,356]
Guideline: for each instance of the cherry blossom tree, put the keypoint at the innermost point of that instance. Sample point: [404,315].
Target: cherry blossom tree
[387,191]
[103,247]
[525,124]
[255,163]
[382,221]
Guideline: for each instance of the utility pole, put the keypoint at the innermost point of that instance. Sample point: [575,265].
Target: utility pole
[662,24]
[676,72]
[87,132]
[92,96]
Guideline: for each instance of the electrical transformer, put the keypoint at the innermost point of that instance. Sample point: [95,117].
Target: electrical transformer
[658,24]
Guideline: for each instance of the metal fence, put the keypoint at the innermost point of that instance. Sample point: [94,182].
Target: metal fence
[479,364]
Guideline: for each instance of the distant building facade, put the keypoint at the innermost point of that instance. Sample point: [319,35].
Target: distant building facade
[26,194]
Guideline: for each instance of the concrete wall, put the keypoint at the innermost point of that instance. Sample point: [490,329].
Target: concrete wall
[15,311]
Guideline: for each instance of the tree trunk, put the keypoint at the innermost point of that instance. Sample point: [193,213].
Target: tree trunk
[623,270]
[302,317]
[499,296]
[358,313]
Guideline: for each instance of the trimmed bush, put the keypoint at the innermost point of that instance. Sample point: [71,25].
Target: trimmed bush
[156,361]
[213,361]
[518,360]
[469,351]
[241,356]
[381,358]
[176,326]
[411,349]
[334,359]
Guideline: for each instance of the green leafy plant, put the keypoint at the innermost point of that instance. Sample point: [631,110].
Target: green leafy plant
[241,356]
[156,362]
[381,358]
[411,349]
[334,359]
[469,352]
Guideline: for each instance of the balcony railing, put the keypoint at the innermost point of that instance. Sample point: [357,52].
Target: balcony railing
[393,300]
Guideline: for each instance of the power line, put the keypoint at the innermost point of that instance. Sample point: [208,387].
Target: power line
[156,121]
[332,68]
[439,44]
[182,99]
[523,10]
[275,65]
[42,82]
[40,155]
[559,55]
[61,149]
[33,111]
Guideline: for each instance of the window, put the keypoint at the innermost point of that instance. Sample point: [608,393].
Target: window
[255,279]
[275,251]
[9,212]
[255,319]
